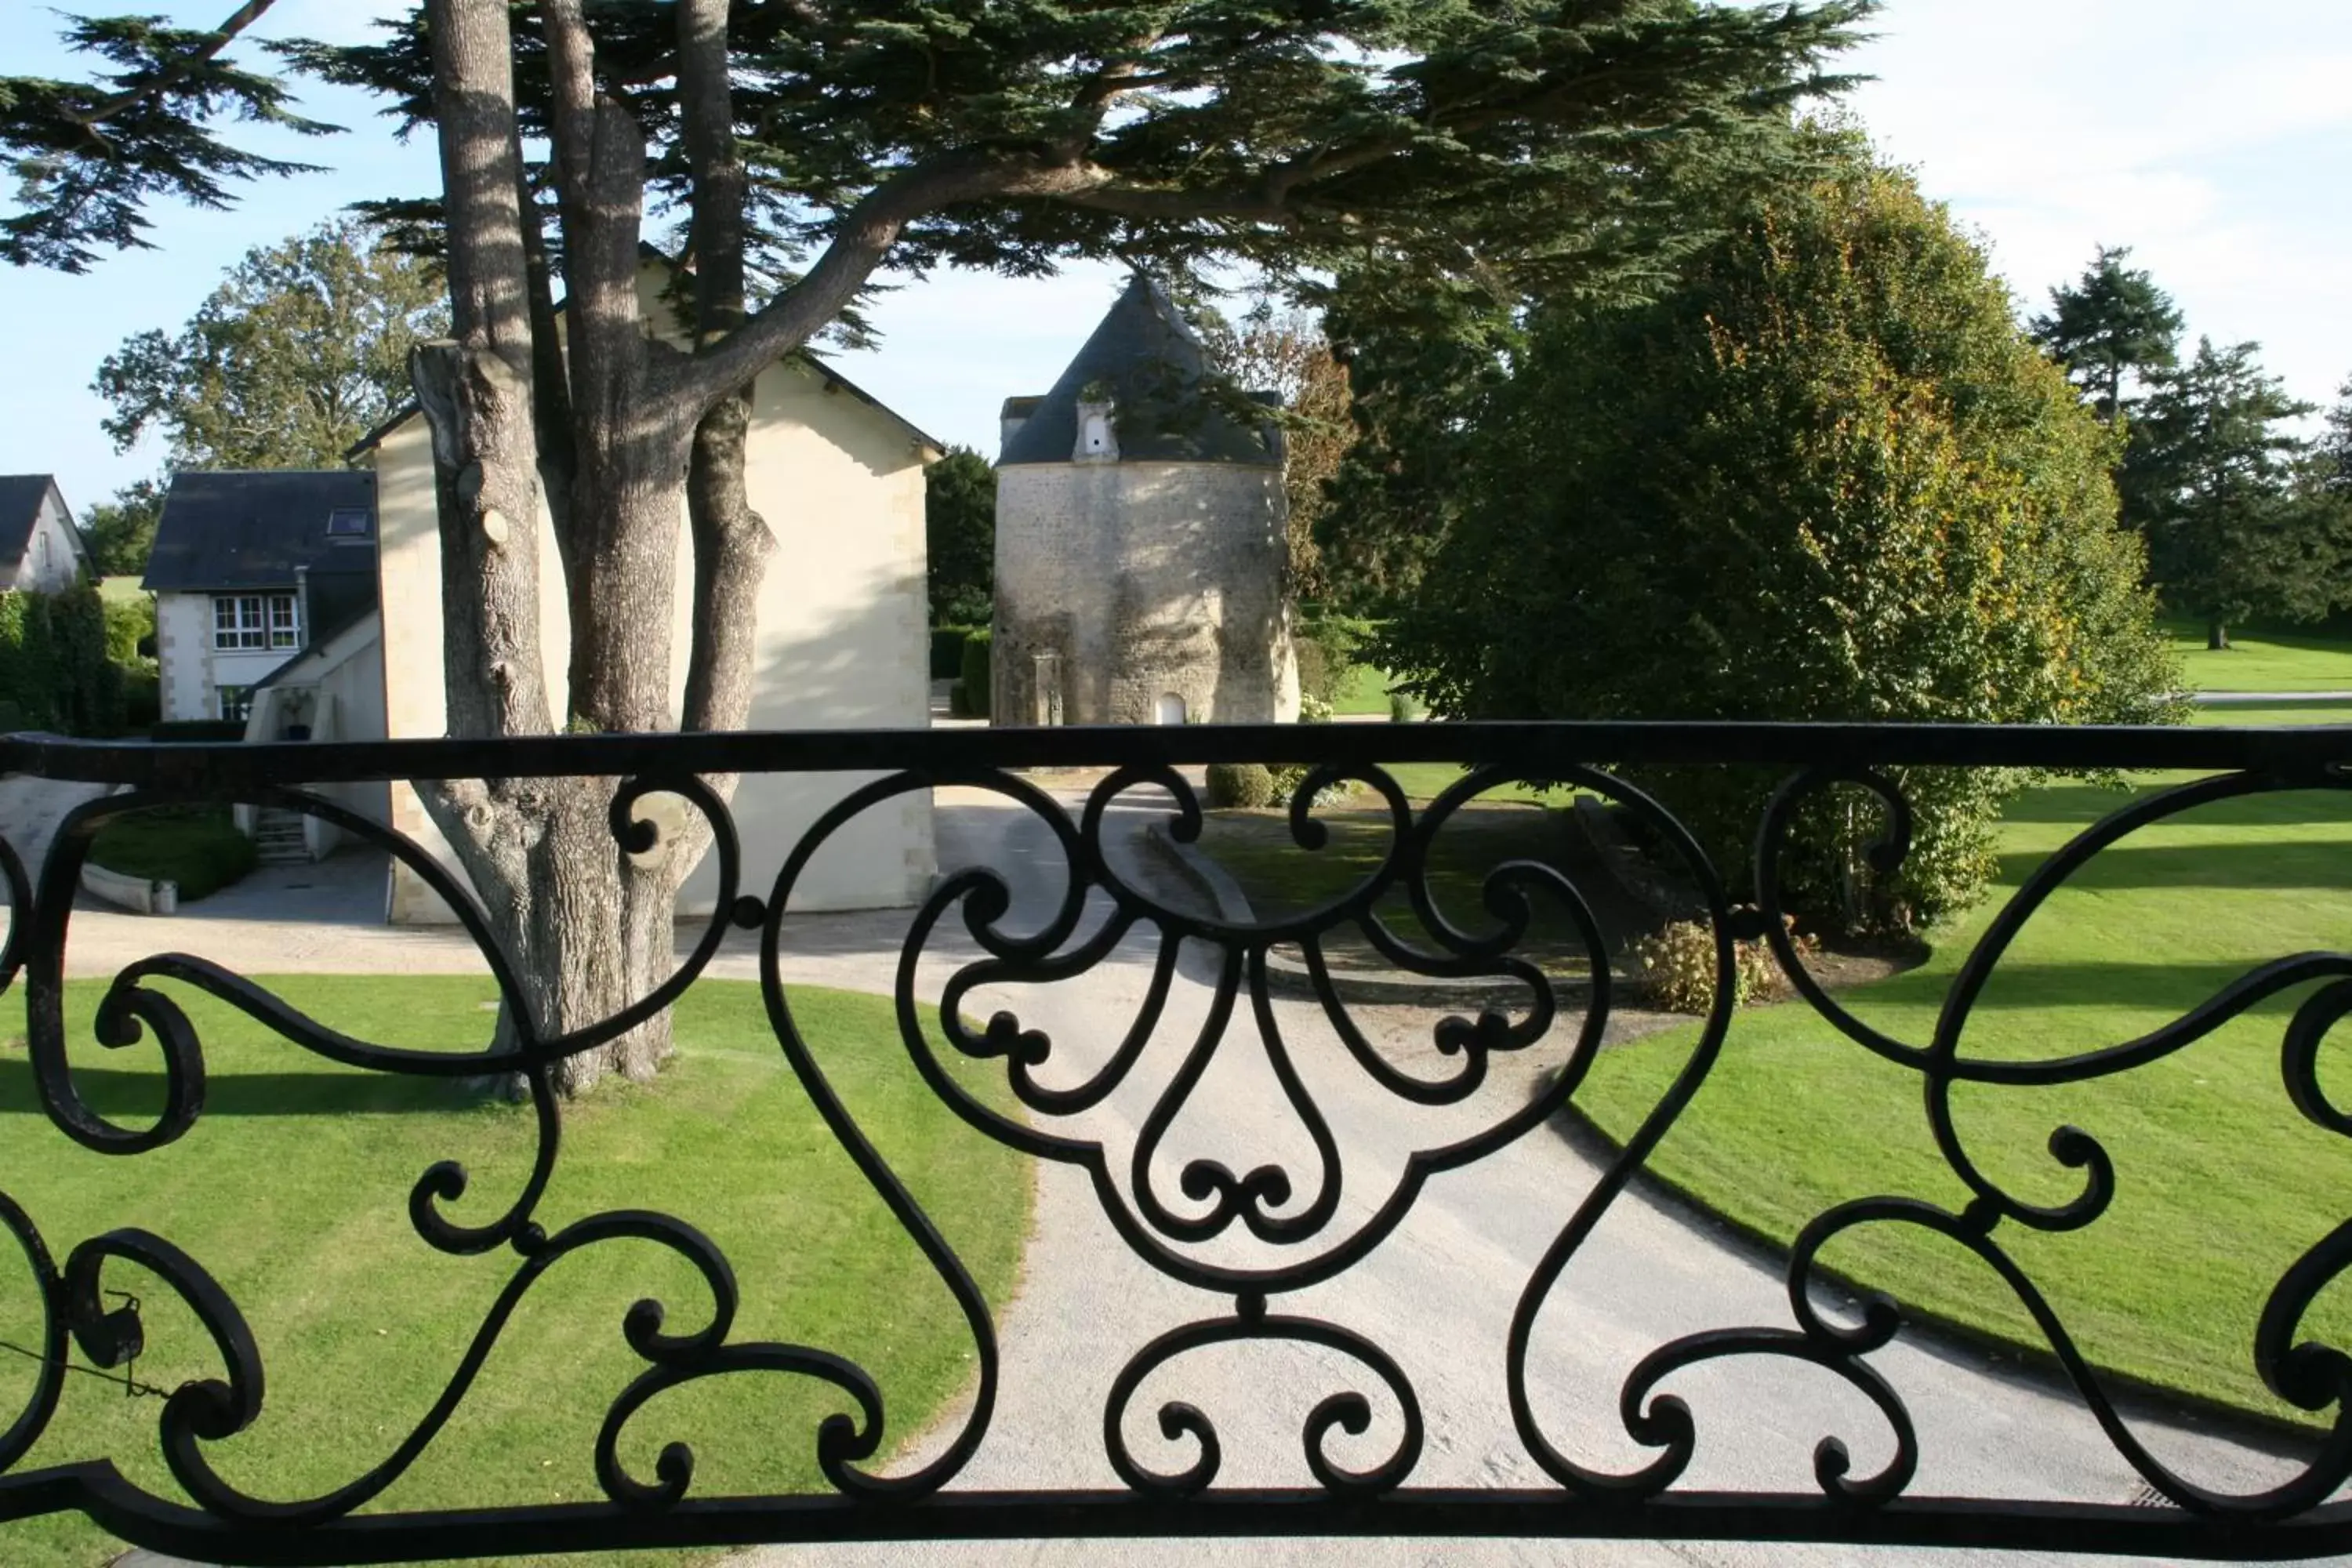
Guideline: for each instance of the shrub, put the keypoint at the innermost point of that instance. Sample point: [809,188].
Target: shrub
[1405,709]
[57,663]
[975,672]
[947,651]
[197,848]
[12,716]
[1247,784]
[1824,476]
[1678,968]
[958,705]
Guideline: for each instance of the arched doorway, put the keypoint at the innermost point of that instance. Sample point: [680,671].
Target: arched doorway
[1169,710]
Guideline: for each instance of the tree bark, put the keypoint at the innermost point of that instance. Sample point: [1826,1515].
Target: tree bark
[540,852]
[2216,637]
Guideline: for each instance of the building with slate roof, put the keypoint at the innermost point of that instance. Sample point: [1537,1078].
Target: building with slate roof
[41,551]
[842,635]
[1140,539]
[249,569]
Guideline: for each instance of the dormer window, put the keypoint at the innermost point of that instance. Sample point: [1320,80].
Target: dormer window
[1097,437]
[350,523]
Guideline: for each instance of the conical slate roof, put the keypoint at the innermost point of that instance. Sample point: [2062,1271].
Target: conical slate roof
[1151,365]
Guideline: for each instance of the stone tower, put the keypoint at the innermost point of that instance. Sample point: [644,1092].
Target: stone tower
[1140,544]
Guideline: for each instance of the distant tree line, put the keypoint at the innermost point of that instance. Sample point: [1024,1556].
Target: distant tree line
[2245,517]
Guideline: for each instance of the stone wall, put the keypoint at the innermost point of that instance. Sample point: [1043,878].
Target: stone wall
[1120,585]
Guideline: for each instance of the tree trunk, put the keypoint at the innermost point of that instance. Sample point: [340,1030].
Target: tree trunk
[2216,637]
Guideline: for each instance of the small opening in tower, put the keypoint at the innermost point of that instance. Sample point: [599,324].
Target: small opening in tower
[1097,438]
[1170,709]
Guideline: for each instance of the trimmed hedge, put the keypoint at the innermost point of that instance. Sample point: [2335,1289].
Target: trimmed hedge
[197,848]
[947,651]
[1245,784]
[976,687]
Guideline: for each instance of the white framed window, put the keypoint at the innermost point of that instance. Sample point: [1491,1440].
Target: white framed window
[236,702]
[257,621]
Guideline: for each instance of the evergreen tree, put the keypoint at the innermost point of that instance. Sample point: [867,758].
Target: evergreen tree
[959,532]
[2112,323]
[2230,535]
[90,155]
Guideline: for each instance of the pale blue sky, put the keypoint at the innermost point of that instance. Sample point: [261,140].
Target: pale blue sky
[2213,139]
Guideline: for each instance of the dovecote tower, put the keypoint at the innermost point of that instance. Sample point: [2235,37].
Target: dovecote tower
[1140,539]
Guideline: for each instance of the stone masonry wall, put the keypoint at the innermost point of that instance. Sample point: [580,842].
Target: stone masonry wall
[1139,581]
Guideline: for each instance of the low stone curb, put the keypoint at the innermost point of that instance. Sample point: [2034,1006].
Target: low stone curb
[140,895]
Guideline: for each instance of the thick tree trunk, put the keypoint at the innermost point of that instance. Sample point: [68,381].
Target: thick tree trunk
[2216,637]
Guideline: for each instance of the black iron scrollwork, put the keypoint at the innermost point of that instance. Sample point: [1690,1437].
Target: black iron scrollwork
[1247,1236]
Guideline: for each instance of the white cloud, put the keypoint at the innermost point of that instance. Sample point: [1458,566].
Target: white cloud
[2210,139]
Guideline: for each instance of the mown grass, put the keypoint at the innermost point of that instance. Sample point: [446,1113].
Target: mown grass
[2222,1185]
[293,1190]
[2262,662]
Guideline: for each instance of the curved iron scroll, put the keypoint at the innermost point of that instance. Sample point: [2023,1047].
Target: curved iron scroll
[1245,1238]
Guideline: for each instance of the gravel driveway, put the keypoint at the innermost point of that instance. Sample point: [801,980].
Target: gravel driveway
[1438,1296]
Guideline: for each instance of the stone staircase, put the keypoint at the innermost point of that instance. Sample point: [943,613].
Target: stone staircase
[277,838]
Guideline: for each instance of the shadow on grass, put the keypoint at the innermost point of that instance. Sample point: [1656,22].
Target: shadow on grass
[135,1094]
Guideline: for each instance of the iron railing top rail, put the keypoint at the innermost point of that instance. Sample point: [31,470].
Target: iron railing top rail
[1530,747]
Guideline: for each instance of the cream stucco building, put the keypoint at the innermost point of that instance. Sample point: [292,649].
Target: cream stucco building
[842,638]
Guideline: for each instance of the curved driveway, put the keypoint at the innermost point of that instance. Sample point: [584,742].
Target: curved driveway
[1438,1296]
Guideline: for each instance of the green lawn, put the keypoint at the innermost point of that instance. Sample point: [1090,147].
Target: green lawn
[1363,690]
[2222,1185]
[2262,661]
[293,1189]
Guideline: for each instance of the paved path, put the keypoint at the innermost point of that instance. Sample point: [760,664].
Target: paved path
[1437,1295]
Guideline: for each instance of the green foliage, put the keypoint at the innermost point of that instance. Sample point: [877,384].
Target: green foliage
[1677,967]
[197,848]
[976,689]
[300,351]
[1825,477]
[88,155]
[1446,137]
[959,532]
[947,651]
[2113,321]
[1245,784]
[55,663]
[122,532]
[2213,471]
[130,627]
[1326,649]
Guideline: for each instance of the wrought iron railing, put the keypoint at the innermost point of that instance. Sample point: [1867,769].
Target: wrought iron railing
[1299,1235]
